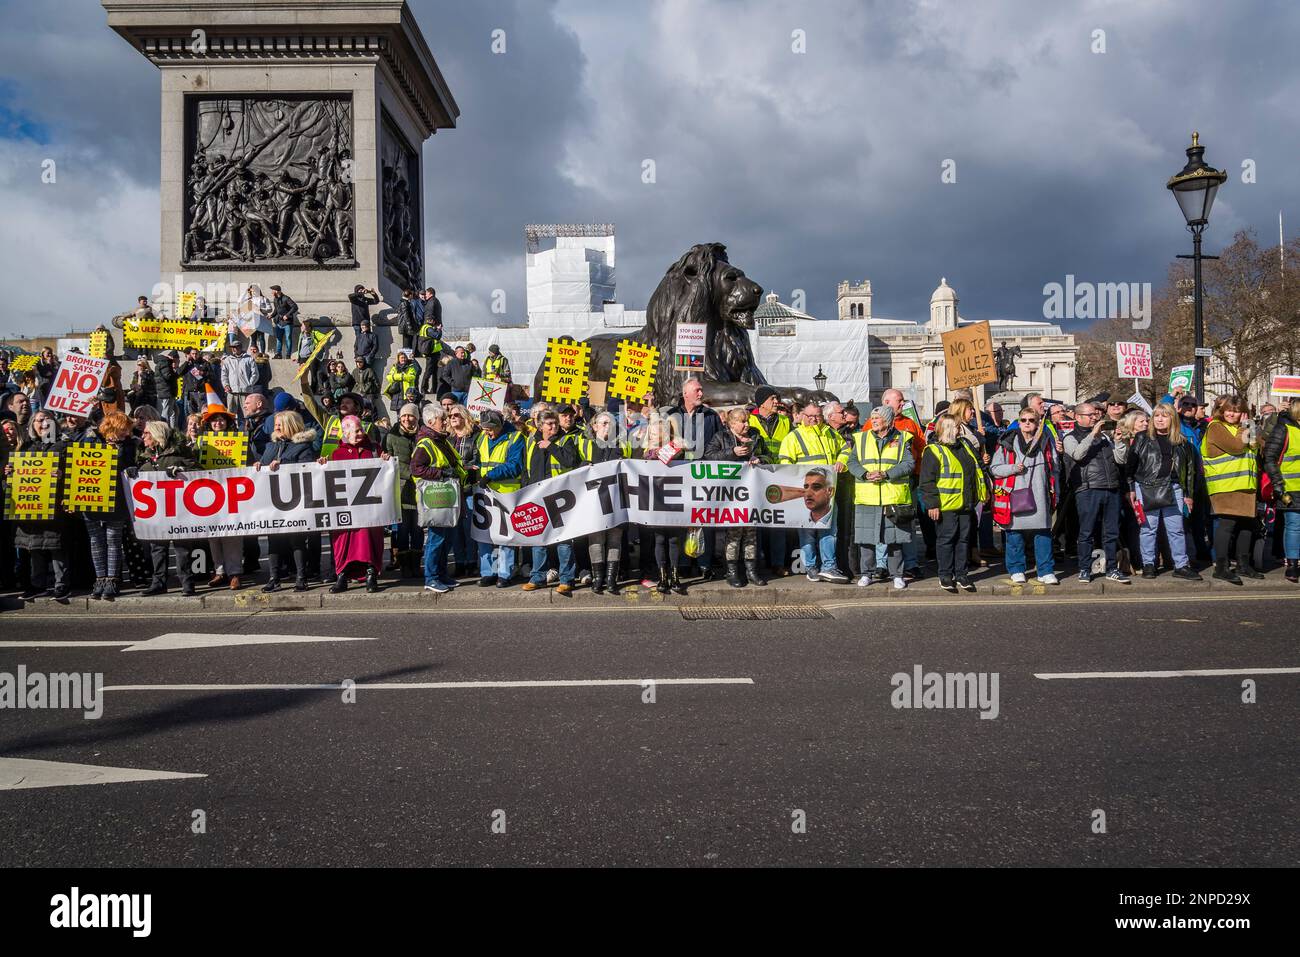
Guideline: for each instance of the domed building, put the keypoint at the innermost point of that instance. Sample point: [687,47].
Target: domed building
[908,355]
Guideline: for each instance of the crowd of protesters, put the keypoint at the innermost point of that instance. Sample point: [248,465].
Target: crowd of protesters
[1115,488]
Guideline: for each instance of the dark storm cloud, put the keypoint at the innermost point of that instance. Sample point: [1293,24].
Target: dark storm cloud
[812,167]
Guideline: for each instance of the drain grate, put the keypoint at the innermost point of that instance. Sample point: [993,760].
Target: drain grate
[752,612]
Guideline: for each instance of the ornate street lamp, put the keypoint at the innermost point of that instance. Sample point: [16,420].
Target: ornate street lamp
[819,380]
[1195,186]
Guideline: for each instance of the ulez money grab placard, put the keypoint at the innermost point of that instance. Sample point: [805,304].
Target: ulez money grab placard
[334,497]
[683,494]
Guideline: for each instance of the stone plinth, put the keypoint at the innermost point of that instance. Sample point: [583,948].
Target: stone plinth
[302,122]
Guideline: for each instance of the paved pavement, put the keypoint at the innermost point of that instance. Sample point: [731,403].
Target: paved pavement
[532,713]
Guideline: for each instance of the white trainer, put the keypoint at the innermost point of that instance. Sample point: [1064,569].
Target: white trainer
[899,584]
[864,581]
[1018,578]
[1048,580]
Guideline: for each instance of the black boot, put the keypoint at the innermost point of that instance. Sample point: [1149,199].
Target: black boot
[340,585]
[300,583]
[1246,567]
[665,580]
[733,575]
[598,578]
[611,577]
[272,585]
[678,586]
[110,589]
[372,579]
[1293,570]
[1224,573]
[753,574]
[98,591]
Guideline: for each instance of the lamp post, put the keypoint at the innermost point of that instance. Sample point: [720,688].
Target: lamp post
[1195,186]
[819,380]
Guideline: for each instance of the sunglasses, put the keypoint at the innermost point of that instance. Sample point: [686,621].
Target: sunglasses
[1030,421]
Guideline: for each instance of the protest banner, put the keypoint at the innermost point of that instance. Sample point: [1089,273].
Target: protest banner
[321,345]
[98,344]
[632,377]
[90,483]
[567,367]
[485,395]
[173,334]
[1138,399]
[305,497]
[1133,360]
[186,302]
[683,494]
[23,363]
[1286,385]
[222,450]
[29,491]
[1181,376]
[968,356]
[688,352]
[76,384]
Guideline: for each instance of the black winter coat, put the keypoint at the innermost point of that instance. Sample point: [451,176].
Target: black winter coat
[45,535]
[1274,448]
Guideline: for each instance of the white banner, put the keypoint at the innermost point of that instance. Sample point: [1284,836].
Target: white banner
[76,384]
[682,495]
[486,396]
[334,497]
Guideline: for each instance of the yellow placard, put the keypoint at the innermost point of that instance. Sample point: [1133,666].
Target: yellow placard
[325,339]
[172,334]
[23,363]
[567,366]
[222,450]
[91,483]
[186,303]
[29,491]
[98,345]
[633,375]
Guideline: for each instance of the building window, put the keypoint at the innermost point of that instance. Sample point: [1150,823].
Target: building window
[884,379]
[915,375]
[1033,379]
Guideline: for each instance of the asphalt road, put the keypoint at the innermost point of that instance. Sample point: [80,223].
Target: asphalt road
[707,774]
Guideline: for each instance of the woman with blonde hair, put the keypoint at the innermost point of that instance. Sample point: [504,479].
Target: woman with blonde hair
[952,483]
[662,443]
[1160,470]
[291,443]
[1228,455]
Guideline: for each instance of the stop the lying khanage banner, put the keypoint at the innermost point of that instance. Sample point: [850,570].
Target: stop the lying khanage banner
[334,497]
[683,494]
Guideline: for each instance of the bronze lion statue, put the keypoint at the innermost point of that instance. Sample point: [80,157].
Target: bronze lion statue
[701,287]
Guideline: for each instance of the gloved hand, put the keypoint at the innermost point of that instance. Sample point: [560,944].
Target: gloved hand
[174,470]
[133,473]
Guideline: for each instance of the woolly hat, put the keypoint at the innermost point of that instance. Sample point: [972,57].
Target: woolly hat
[284,402]
[763,393]
[410,409]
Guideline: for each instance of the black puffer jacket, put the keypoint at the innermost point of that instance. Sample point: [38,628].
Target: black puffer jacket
[1144,465]
[1277,445]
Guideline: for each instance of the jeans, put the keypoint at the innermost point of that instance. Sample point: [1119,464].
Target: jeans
[435,555]
[819,542]
[952,535]
[283,342]
[460,397]
[1095,503]
[496,560]
[1149,531]
[568,568]
[891,557]
[160,552]
[1291,534]
[1014,540]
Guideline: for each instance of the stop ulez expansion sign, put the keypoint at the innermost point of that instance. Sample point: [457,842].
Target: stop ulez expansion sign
[76,384]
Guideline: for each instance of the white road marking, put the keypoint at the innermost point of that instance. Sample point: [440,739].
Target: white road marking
[443,685]
[1196,673]
[181,641]
[19,773]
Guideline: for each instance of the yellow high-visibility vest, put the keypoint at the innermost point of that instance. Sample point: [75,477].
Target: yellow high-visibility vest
[951,485]
[772,442]
[881,458]
[439,460]
[490,458]
[1229,473]
[809,445]
[492,367]
[1289,463]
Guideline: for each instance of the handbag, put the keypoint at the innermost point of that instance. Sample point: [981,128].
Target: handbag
[1022,499]
[901,515]
[438,503]
[1156,497]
